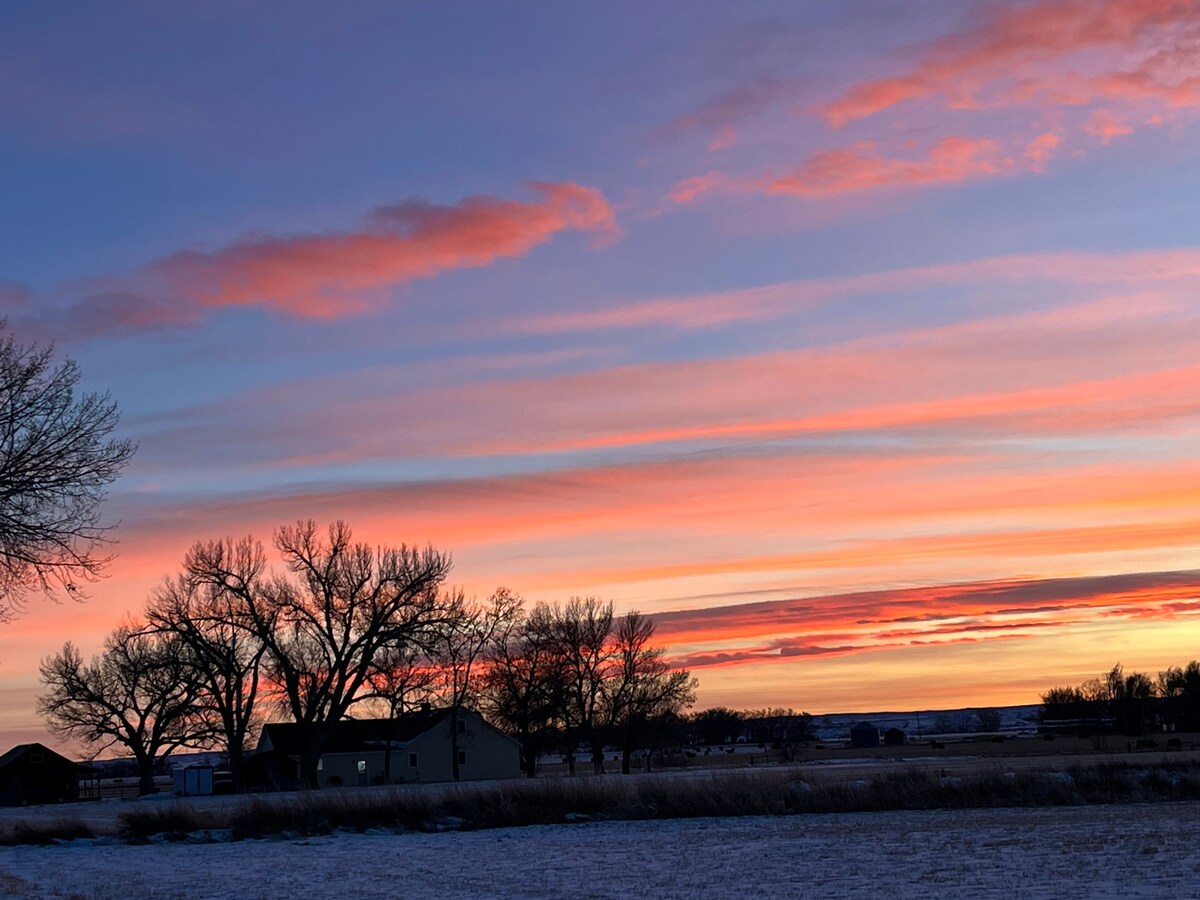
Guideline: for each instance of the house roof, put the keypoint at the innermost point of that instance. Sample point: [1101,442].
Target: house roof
[350,735]
[21,749]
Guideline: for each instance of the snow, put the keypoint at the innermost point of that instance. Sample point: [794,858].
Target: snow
[1098,851]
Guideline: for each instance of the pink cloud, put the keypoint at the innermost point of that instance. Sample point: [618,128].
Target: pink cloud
[1105,126]
[689,189]
[1040,149]
[1000,47]
[327,274]
[860,167]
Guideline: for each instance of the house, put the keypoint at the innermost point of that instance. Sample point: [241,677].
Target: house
[864,734]
[33,773]
[414,747]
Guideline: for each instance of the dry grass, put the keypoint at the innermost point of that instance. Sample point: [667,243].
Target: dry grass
[47,833]
[775,791]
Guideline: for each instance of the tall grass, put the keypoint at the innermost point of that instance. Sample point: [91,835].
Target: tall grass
[565,800]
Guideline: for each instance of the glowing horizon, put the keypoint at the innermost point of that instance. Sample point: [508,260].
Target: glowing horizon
[859,348]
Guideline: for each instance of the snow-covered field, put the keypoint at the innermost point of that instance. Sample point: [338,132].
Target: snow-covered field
[1096,851]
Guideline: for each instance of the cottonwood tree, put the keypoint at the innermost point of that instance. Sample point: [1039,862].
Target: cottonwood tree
[523,686]
[643,687]
[402,678]
[136,693]
[325,622]
[224,659]
[56,460]
[458,646]
[582,632]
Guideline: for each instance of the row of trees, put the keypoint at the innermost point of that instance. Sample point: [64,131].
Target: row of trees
[229,642]
[1129,701]
[721,725]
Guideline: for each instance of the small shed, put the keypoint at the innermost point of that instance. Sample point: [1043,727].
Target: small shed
[864,734]
[893,737]
[192,781]
[33,773]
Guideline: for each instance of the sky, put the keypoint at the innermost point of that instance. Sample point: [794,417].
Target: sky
[857,343]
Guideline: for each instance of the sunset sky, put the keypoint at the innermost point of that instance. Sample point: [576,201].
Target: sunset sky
[857,342]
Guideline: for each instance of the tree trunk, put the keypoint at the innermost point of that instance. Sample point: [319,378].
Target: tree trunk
[236,769]
[626,753]
[454,742]
[310,757]
[528,755]
[146,777]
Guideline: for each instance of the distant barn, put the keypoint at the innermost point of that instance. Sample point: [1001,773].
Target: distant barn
[33,773]
[864,734]
[893,737]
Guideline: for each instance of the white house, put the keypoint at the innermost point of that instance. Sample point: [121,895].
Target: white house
[414,747]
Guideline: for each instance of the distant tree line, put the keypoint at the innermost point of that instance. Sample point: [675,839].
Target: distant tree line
[1129,703]
[228,643]
[772,726]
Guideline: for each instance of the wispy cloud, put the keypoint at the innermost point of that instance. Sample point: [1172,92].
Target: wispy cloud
[1006,47]
[335,273]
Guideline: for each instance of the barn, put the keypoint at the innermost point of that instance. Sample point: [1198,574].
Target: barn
[33,773]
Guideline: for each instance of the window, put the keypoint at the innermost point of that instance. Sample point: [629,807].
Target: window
[462,757]
[321,764]
[362,766]
[412,760]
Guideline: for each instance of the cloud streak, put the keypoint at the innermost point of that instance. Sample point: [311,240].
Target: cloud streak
[335,273]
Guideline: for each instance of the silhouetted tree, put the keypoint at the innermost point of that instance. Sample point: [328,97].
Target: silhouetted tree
[1180,690]
[523,685]
[582,636]
[56,460]
[224,659]
[325,625]
[718,725]
[136,693]
[643,688]
[459,644]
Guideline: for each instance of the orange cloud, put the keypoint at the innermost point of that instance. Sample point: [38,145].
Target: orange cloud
[836,625]
[331,273]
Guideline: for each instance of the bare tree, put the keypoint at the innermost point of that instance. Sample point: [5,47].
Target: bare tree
[459,645]
[582,632]
[224,660]
[324,626]
[136,694]
[403,678]
[523,683]
[56,460]
[643,687]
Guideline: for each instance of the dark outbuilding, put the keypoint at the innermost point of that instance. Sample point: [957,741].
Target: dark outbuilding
[864,734]
[33,773]
[893,737]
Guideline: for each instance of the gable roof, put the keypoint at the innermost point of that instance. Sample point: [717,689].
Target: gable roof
[350,735]
[21,749]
